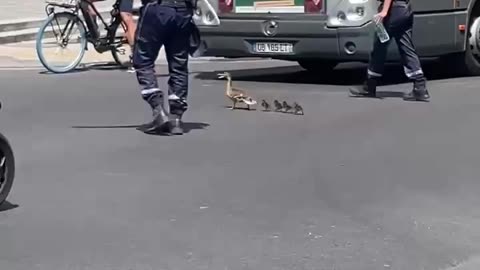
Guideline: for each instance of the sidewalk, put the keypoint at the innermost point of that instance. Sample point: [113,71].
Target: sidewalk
[25,9]
[24,55]
[22,19]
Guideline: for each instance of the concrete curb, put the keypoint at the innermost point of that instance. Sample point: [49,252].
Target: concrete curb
[26,29]
[13,31]
[14,25]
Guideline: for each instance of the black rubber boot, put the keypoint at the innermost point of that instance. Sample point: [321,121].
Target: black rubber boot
[419,92]
[368,89]
[177,109]
[159,124]
[176,125]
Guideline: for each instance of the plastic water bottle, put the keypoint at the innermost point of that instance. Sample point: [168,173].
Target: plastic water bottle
[381,32]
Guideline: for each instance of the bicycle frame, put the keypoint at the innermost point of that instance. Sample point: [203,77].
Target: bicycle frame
[115,16]
[83,6]
[50,9]
[83,12]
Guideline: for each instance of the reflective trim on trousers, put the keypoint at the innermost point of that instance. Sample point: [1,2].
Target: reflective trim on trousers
[412,74]
[373,74]
[150,91]
[173,97]
[154,90]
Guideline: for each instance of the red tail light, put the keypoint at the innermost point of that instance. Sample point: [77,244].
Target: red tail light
[313,6]
[225,6]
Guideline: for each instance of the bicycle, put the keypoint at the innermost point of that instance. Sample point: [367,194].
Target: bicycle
[7,167]
[67,20]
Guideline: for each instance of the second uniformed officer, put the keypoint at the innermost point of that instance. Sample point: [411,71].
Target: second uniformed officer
[397,18]
[164,23]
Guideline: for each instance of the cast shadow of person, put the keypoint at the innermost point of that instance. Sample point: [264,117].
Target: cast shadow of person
[187,127]
[84,67]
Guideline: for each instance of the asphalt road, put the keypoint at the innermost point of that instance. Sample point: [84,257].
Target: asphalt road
[353,184]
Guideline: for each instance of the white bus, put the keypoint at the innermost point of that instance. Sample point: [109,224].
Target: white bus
[319,34]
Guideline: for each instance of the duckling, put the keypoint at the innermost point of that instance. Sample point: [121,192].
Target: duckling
[235,94]
[278,105]
[286,107]
[265,105]
[297,108]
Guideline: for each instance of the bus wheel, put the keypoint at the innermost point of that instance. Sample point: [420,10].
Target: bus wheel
[468,63]
[317,65]
[472,59]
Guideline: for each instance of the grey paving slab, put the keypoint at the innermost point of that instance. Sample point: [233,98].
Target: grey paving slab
[13,9]
[355,184]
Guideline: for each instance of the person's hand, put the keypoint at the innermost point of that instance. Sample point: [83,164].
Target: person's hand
[378,18]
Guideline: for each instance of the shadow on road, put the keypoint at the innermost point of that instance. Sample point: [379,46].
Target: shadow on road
[106,127]
[106,66]
[5,206]
[384,94]
[187,126]
[346,74]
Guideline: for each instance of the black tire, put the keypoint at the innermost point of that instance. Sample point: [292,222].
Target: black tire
[468,62]
[44,33]
[118,41]
[7,168]
[317,65]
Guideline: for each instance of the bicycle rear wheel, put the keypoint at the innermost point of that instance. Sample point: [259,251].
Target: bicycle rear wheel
[58,37]
[7,168]
[121,50]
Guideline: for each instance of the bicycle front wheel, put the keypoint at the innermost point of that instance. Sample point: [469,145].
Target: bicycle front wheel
[121,50]
[61,42]
[7,168]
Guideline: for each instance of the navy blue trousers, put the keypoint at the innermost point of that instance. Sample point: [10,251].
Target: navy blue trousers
[399,25]
[170,26]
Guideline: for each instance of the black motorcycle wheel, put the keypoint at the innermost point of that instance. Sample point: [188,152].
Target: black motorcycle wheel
[7,168]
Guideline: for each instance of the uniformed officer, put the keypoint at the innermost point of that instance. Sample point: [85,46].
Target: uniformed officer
[397,18]
[164,23]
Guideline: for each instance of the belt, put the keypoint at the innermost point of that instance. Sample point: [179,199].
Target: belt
[175,3]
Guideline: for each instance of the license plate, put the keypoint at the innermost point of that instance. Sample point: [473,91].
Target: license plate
[270,47]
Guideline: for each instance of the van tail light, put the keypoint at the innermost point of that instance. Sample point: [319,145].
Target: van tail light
[225,6]
[313,6]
